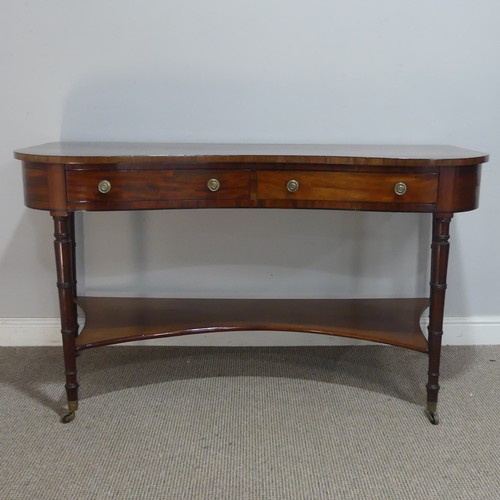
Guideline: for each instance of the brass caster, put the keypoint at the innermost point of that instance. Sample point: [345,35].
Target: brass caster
[432,416]
[68,417]
[70,414]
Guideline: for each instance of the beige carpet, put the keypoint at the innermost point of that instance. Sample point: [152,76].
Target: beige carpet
[250,423]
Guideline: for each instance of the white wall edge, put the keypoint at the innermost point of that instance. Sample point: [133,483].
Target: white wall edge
[472,330]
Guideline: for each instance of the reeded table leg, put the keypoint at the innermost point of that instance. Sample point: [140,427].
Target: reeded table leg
[64,252]
[439,267]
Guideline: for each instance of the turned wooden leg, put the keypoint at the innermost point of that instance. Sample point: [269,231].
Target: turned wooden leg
[71,217]
[439,267]
[64,253]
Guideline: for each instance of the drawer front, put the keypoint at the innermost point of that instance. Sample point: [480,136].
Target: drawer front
[156,185]
[348,187]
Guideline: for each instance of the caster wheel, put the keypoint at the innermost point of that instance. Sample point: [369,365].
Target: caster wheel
[68,417]
[432,416]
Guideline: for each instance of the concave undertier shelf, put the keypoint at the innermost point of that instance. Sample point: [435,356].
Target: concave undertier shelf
[112,320]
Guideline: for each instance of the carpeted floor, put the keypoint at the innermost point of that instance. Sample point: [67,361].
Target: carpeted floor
[250,423]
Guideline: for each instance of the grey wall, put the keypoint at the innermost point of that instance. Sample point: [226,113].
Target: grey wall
[250,71]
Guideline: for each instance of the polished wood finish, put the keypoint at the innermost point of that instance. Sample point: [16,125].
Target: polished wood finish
[439,267]
[162,176]
[115,320]
[347,187]
[36,187]
[156,185]
[63,247]
[331,154]
[459,189]
[66,177]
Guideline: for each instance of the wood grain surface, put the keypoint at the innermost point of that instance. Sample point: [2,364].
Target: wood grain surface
[112,320]
[115,152]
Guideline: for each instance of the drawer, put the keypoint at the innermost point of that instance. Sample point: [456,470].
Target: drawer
[348,186]
[156,185]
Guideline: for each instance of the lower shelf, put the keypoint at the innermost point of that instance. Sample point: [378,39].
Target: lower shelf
[112,320]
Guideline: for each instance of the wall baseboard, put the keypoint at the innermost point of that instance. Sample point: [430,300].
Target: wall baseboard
[473,330]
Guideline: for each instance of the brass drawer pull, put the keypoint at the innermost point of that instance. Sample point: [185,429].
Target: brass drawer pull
[213,185]
[292,185]
[400,188]
[104,187]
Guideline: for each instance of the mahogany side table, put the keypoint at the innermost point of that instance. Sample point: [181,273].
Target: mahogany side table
[63,178]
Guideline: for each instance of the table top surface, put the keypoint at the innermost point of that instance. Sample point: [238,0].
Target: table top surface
[111,152]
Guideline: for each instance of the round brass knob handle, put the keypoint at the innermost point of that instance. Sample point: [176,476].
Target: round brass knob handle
[292,185]
[213,185]
[104,187]
[400,188]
